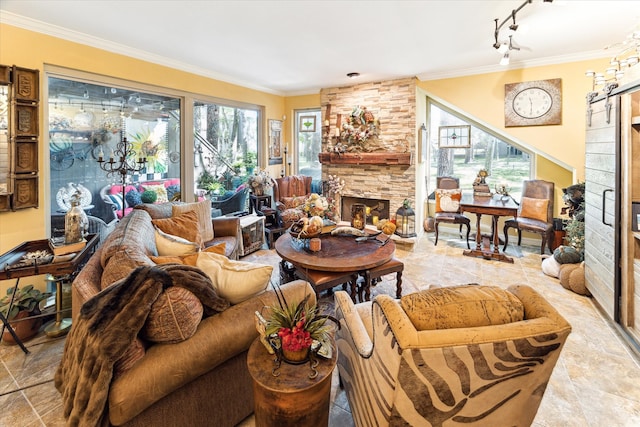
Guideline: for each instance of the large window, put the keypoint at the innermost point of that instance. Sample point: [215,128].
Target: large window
[461,148]
[226,145]
[309,142]
[88,120]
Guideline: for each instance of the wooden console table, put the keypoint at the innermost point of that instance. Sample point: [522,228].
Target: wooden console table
[10,268]
[496,207]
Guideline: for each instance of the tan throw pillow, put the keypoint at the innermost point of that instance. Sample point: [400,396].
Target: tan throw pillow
[203,210]
[189,259]
[174,316]
[534,208]
[184,225]
[464,306]
[448,200]
[235,281]
[293,202]
[167,244]
[160,191]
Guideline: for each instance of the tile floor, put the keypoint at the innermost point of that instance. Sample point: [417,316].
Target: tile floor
[595,383]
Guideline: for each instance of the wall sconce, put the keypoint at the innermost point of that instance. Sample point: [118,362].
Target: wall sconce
[505,47]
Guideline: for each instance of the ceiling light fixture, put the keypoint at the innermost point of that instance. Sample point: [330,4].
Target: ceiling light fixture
[503,46]
[353,75]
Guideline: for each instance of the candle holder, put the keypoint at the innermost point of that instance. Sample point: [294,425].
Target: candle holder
[125,164]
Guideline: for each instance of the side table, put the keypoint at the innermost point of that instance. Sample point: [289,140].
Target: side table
[292,398]
[256,203]
[252,228]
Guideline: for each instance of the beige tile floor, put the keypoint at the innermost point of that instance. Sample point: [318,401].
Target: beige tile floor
[595,383]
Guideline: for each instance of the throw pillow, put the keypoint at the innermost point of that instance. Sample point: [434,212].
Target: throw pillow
[189,259]
[203,211]
[167,244]
[174,316]
[463,306]
[116,199]
[133,198]
[235,281]
[173,191]
[551,267]
[160,191]
[184,225]
[448,200]
[534,208]
[149,196]
[293,202]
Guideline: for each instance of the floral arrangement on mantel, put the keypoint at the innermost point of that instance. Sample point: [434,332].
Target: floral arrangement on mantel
[259,181]
[357,132]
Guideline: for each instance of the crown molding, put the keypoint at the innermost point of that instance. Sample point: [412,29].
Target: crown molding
[85,39]
[515,65]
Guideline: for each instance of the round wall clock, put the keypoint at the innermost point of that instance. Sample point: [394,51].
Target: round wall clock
[533,103]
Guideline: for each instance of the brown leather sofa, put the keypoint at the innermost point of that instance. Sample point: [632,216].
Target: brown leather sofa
[202,381]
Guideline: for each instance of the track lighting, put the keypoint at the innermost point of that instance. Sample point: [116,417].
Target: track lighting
[503,46]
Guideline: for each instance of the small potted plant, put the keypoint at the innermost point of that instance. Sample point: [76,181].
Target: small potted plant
[295,327]
[25,304]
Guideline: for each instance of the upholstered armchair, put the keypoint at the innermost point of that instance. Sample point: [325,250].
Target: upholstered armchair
[535,213]
[465,355]
[237,202]
[448,195]
[289,193]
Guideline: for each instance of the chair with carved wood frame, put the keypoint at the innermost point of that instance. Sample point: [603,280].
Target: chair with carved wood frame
[535,213]
[450,183]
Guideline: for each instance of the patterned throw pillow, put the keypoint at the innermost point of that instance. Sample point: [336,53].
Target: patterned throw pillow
[174,316]
[116,199]
[465,306]
[160,191]
[293,202]
[448,200]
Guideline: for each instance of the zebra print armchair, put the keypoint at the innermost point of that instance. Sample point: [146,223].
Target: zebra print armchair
[396,374]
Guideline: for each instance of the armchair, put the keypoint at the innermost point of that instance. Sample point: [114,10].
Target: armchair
[236,203]
[289,193]
[486,368]
[535,213]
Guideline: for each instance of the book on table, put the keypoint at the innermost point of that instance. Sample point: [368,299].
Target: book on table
[59,247]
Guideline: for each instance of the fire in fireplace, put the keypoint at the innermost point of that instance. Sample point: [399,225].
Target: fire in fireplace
[376,208]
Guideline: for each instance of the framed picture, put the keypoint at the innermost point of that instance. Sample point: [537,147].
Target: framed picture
[275,142]
[454,136]
[307,124]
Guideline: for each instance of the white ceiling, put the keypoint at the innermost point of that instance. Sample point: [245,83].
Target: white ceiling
[297,47]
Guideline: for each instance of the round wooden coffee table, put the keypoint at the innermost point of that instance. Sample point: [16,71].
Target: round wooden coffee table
[337,253]
[292,398]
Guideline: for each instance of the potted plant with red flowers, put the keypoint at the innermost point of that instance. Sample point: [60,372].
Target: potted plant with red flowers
[296,327]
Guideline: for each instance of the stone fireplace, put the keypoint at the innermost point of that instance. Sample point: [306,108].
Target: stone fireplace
[387,175]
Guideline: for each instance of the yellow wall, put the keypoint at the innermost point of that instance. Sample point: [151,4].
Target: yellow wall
[34,50]
[482,97]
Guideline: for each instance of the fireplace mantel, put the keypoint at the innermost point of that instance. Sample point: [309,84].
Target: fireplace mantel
[378,158]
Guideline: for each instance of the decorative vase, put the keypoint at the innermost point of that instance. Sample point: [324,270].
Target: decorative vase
[75,223]
[295,357]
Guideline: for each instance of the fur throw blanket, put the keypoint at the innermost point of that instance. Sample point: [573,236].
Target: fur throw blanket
[107,325]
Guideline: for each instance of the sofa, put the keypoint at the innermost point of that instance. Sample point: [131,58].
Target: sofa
[201,381]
